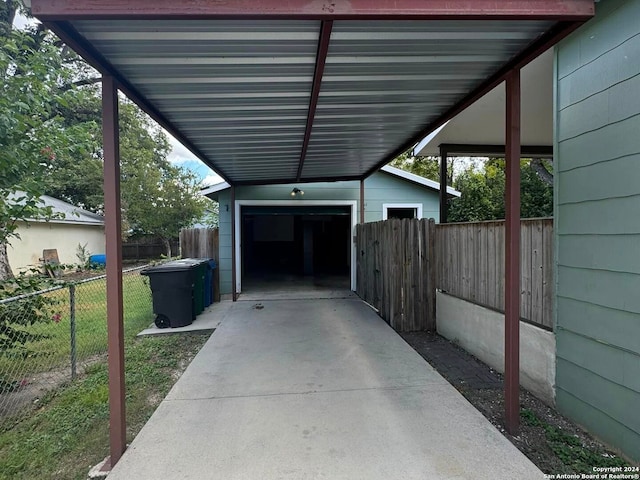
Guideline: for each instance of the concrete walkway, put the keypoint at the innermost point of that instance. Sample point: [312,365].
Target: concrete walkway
[316,389]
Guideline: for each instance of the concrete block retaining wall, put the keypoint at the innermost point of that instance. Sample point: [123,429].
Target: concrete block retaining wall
[480,331]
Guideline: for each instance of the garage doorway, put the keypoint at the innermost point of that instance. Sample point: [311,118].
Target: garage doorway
[294,247]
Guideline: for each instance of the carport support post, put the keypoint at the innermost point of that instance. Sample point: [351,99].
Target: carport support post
[443,184]
[512,256]
[362,201]
[115,327]
[234,259]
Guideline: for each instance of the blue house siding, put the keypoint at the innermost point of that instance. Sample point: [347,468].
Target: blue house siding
[598,226]
[380,188]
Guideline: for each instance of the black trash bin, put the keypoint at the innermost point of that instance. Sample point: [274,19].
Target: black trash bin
[172,287]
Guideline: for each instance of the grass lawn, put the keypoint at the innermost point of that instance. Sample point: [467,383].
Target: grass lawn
[68,432]
[91,327]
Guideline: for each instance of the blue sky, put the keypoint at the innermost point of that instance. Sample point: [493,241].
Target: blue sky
[181,156]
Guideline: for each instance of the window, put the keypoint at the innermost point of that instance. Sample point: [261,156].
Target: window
[401,210]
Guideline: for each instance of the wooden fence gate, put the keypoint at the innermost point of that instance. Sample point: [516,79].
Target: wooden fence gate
[202,243]
[396,271]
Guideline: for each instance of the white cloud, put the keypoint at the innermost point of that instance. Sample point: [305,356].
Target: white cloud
[179,153]
[211,180]
[21,22]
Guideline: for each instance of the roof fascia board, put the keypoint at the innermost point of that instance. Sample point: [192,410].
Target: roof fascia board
[536,151]
[570,10]
[546,41]
[412,177]
[218,187]
[96,223]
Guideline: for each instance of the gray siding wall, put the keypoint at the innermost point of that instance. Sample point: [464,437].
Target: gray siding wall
[598,225]
[380,188]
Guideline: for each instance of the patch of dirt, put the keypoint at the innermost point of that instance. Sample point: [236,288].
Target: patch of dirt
[552,442]
[36,385]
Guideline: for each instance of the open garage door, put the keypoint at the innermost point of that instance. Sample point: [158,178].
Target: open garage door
[293,247]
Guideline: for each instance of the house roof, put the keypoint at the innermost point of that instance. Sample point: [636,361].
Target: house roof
[483,123]
[412,177]
[279,92]
[388,169]
[65,212]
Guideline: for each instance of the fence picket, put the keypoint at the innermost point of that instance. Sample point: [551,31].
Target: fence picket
[473,267]
[202,243]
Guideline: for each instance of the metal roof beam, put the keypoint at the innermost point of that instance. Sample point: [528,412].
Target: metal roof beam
[53,10]
[321,58]
[526,151]
[285,181]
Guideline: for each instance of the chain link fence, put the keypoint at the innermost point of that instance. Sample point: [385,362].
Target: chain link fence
[49,336]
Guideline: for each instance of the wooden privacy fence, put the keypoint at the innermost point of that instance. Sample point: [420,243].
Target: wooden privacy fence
[202,243]
[470,265]
[396,271]
[144,248]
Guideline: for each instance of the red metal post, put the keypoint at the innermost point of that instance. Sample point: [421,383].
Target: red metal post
[112,224]
[234,259]
[512,256]
[443,185]
[362,201]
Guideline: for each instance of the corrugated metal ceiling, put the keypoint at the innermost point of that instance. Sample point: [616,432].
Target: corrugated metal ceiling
[240,90]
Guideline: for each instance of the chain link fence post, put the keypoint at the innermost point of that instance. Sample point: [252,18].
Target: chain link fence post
[72,316]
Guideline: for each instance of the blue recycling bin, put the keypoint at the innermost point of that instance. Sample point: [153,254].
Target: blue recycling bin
[99,260]
[208,282]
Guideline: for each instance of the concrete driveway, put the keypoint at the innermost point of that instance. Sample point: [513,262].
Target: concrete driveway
[316,389]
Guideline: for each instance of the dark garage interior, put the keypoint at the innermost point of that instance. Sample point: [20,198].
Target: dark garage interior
[282,245]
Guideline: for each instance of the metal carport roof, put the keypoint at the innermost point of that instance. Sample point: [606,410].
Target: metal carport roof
[282,91]
[298,91]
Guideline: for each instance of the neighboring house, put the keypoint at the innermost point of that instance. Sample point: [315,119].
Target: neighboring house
[312,233]
[591,96]
[70,227]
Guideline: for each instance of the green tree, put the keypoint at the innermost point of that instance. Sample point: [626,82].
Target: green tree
[33,82]
[77,175]
[211,216]
[51,143]
[427,167]
[483,190]
[159,198]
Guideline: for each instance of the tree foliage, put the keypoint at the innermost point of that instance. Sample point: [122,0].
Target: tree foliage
[482,185]
[158,198]
[483,191]
[51,142]
[427,167]
[32,132]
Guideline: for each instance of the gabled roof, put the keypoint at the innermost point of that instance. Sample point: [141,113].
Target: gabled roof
[412,177]
[273,91]
[65,212]
[388,169]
